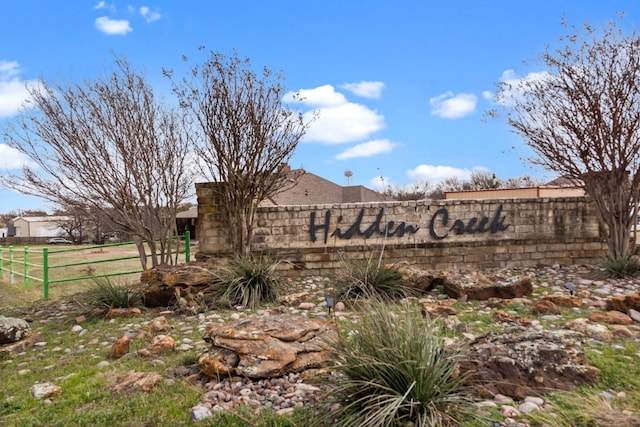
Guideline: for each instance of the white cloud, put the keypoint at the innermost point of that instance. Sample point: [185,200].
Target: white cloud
[338,120]
[434,174]
[450,106]
[13,91]
[343,123]
[365,89]
[12,158]
[148,15]
[322,96]
[104,5]
[367,149]
[113,26]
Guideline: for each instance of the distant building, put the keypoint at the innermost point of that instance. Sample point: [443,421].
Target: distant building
[560,187]
[302,188]
[305,188]
[186,221]
[38,226]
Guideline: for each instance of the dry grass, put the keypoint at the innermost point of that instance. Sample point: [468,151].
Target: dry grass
[16,293]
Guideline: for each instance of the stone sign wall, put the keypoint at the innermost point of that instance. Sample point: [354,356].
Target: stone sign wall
[432,234]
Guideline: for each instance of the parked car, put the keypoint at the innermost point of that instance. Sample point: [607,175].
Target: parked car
[58,241]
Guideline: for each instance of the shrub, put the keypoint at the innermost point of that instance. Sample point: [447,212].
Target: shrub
[247,282]
[623,266]
[395,370]
[105,294]
[372,280]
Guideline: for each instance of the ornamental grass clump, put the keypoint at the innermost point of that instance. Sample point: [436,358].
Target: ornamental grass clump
[395,370]
[106,294]
[247,282]
[372,281]
[622,266]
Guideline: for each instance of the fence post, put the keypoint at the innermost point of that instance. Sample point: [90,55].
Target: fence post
[1,264]
[26,268]
[11,264]
[187,246]
[45,272]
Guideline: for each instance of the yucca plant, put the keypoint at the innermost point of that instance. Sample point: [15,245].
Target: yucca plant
[395,370]
[105,294]
[372,280]
[248,282]
[623,266]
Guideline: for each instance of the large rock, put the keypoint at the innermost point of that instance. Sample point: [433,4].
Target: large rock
[161,284]
[481,288]
[624,303]
[416,278]
[527,364]
[13,329]
[267,346]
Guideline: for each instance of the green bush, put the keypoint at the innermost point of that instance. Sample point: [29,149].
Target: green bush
[105,294]
[623,266]
[372,280]
[247,282]
[395,370]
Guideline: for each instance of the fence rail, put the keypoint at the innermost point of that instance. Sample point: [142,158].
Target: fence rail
[45,266]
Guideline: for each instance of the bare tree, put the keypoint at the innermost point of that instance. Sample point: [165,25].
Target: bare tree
[581,118]
[108,145]
[521,181]
[484,180]
[416,191]
[248,135]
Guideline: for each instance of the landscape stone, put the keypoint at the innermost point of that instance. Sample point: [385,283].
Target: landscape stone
[434,311]
[137,381]
[527,363]
[161,344]
[590,329]
[564,300]
[13,329]
[267,346]
[45,390]
[295,298]
[162,284]
[115,313]
[120,347]
[481,288]
[545,307]
[504,317]
[418,279]
[624,303]
[612,317]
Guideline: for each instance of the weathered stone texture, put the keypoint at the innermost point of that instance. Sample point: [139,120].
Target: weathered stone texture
[267,346]
[528,364]
[501,233]
[13,329]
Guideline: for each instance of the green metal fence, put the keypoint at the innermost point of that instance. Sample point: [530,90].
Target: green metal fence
[14,266]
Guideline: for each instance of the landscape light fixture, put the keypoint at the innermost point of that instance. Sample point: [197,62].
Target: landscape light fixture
[330,303]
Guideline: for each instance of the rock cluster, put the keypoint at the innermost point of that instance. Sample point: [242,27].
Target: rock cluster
[261,358]
[267,346]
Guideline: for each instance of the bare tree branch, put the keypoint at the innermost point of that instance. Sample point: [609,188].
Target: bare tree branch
[248,135]
[110,146]
[581,118]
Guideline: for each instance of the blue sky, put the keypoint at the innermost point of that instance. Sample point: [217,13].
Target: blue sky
[401,86]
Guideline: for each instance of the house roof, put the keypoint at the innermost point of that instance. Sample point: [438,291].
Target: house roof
[561,181]
[42,218]
[309,189]
[192,212]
